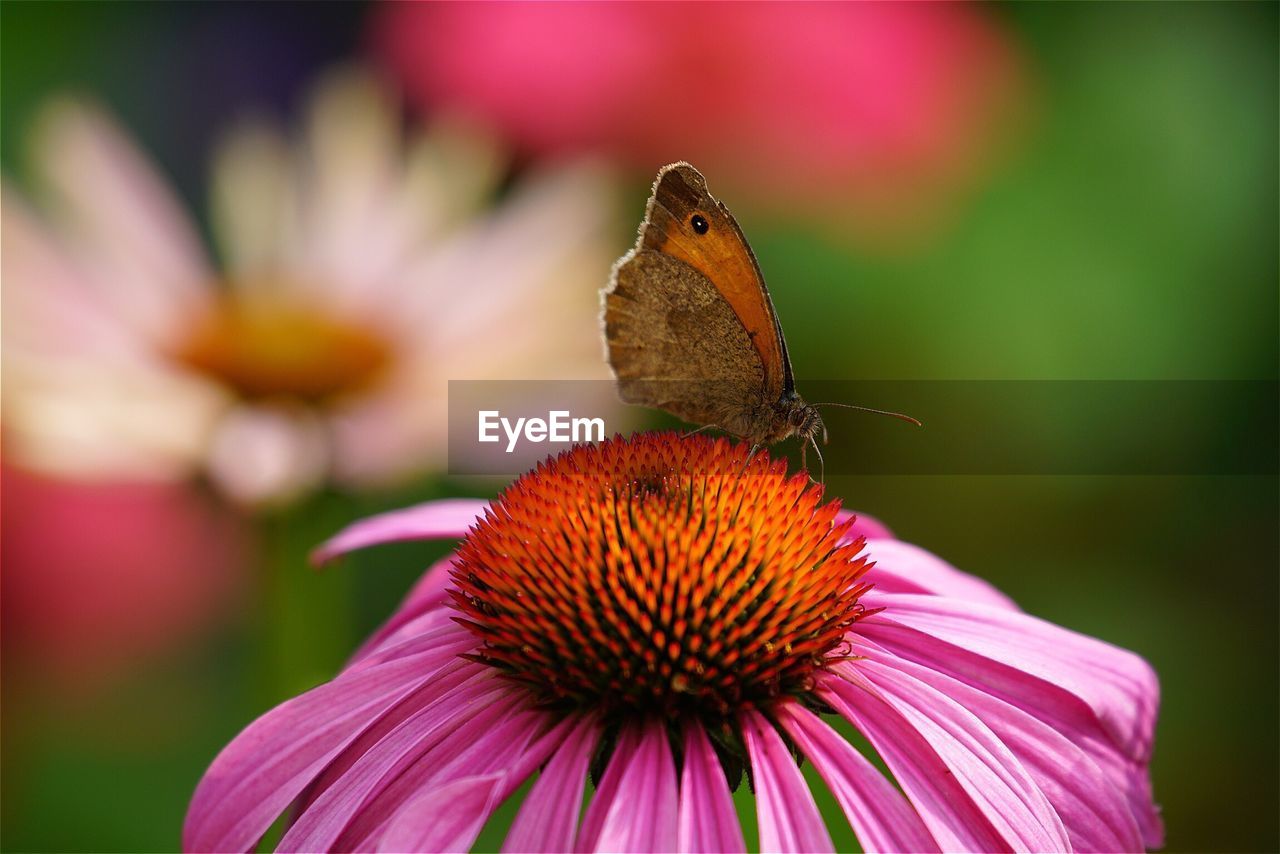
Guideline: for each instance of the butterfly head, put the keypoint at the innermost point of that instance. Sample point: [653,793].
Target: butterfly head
[808,423]
[799,419]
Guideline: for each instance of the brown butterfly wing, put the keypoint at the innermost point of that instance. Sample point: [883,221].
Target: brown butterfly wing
[721,254]
[675,343]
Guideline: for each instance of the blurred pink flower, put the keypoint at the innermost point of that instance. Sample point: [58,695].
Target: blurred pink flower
[882,111]
[102,578]
[360,271]
[666,613]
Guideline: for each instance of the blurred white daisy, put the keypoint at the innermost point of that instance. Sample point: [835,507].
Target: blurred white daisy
[360,270]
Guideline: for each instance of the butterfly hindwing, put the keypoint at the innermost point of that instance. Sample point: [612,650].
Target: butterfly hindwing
[675,344]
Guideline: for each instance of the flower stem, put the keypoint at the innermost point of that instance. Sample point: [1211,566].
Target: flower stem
[304,616]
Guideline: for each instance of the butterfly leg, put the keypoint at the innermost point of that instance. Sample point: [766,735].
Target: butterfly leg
[805,442]
[822,463]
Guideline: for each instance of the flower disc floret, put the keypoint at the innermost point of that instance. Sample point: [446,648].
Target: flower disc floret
[660,574]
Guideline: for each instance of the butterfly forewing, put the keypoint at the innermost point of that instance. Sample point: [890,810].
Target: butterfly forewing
[689,325]
[720,252]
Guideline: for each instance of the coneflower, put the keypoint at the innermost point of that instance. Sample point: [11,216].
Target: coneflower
[670,616]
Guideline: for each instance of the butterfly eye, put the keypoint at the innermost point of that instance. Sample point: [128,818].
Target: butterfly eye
[699,223]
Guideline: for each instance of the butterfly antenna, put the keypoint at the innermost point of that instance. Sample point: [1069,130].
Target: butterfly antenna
[898,415]
[689,433]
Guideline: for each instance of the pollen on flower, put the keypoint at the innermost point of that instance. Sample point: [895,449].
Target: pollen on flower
[659,574]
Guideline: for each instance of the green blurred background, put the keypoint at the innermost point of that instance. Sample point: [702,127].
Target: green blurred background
[1127,232]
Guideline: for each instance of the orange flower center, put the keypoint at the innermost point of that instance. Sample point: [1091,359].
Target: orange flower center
[659,574]
[266,347]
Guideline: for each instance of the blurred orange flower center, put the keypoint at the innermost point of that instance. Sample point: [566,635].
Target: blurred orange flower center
[264,348]
[659,574]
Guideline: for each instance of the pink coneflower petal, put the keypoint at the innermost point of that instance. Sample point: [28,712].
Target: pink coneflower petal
[788,817]
[370,763]
[1015,660]
[548,818]
[707,819]
[1039,657]
[953,819]
[1137,787]
[1080,792]
[881,817]
[635,807]
[903,568]
[443,633]
[242,794]
[478,796]
[985,768]
[424,826]
[429,521]
[491,741]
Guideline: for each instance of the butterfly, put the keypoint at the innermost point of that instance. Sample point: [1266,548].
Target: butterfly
[689,326]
